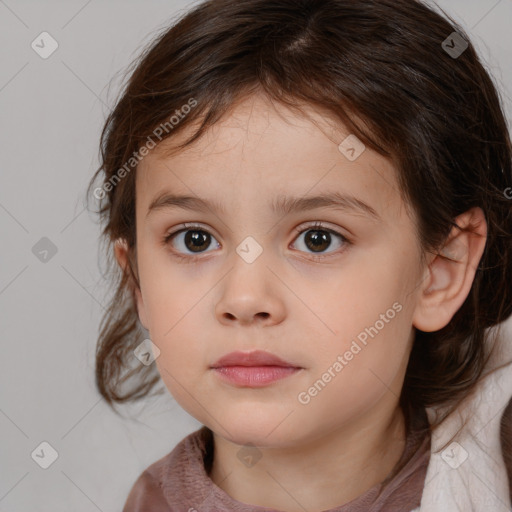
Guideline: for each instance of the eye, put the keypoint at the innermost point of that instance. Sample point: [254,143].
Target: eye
[318,238]
[192,238]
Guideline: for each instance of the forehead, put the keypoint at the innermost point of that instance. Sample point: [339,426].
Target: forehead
[259,150]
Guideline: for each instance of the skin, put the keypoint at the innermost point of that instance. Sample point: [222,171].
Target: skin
[307,311]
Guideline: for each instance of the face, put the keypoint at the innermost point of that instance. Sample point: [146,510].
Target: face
[326,287]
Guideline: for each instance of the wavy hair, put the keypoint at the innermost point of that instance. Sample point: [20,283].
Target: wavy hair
[437,115]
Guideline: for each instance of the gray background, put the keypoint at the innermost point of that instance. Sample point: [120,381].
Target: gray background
[52,111]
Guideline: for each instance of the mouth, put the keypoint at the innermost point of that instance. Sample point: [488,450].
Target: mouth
[254,376]
[253,369]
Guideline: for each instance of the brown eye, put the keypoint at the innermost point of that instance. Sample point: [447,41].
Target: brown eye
[197,241]
[193,240]
[318,239]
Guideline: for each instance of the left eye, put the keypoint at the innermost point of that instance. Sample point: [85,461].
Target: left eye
[196,240]
[317,238]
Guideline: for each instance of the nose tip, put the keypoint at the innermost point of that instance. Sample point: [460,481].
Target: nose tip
[250,294]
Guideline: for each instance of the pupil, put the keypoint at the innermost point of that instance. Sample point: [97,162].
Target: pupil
[199,240]
[318,239]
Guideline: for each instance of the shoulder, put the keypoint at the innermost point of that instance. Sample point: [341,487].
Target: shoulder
[160,484]
[146,494]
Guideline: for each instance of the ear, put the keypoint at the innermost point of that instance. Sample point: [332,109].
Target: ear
[450,274]
[122,257]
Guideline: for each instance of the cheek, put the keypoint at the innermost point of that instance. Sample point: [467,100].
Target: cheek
[166,294]
[183,360]
[375,349]
[173,306]
[342,301]
[364,373]
[362,316]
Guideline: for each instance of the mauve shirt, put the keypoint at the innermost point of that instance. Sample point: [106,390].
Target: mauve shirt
[179,482]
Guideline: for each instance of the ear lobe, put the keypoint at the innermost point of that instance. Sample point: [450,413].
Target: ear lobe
[122,257]
[450,274]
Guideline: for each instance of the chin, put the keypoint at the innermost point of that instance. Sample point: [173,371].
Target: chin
[258,431]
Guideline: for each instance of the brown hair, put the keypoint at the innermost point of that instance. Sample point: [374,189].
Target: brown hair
[436,115]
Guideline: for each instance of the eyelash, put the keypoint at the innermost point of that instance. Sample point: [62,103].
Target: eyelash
[318,226]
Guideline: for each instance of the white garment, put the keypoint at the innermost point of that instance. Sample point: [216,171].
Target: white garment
[469,474]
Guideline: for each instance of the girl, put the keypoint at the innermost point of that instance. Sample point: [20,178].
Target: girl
[309,204]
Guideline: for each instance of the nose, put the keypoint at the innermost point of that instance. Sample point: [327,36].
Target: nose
[250,294]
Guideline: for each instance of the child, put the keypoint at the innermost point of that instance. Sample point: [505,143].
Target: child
[309,203]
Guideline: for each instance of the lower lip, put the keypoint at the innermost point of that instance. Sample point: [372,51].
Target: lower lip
[254,376]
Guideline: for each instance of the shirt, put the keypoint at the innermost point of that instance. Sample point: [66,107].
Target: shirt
[466,469]
[179,481]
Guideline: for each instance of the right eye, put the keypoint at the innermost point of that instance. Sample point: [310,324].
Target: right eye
[193,238]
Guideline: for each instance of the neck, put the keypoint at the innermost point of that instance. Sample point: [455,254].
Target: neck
[315,474]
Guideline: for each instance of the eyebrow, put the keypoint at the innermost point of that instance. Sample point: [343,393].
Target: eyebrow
[281,205]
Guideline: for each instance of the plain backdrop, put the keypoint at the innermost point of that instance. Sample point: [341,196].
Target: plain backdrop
[52,112]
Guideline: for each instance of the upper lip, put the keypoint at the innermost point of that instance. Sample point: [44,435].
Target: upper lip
[254,358]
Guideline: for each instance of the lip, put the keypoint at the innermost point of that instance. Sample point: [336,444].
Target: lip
[254,358]
[253,369]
